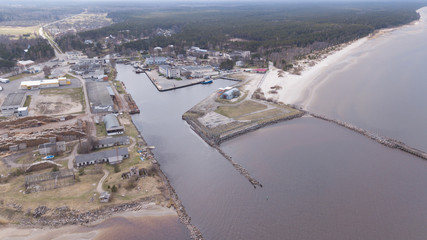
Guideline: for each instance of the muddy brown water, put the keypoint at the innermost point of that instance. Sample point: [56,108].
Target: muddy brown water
[321,181]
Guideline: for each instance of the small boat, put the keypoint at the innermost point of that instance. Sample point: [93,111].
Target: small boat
[48,157]
[139,70]
[206,82]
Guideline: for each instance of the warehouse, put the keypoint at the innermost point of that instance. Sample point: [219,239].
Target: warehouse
[112,125]
[12,102]
[112,141]
[113,156]
[99,97]
[45,83]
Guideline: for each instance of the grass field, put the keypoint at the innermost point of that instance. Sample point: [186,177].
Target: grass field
[246,107]
[19,31]
[19,76]
[100,130]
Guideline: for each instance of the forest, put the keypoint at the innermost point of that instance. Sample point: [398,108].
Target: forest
[23,49]
[290,29]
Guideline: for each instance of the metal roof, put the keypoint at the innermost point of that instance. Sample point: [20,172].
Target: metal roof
[114,140]
[99,97]
[101,155]
[111,121]
[110,91]
[14,99]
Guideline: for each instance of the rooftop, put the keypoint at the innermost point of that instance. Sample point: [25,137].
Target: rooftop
[111,121]
[113,140]
[14,99]
[101,155]
[99,97]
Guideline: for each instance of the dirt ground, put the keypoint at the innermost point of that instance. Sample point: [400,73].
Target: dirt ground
[55,104]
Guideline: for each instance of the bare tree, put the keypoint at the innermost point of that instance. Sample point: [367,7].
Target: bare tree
[47,71]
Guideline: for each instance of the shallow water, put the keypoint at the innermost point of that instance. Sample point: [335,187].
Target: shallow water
[381,86]
[320,181]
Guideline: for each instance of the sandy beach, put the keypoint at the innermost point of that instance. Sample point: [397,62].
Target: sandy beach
[13,232]
[297,89]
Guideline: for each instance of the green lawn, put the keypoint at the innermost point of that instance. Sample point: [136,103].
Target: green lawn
[27,101]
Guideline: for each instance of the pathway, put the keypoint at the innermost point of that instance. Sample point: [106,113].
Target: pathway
[101,182]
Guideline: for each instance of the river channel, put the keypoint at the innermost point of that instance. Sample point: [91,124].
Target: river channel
[321,181]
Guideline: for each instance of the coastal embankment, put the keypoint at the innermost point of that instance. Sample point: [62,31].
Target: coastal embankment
[175,201]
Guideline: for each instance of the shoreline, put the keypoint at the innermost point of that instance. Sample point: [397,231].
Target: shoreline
[76,231]
[297,90]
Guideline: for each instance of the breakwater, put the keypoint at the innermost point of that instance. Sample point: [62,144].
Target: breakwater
[389,142]
[214,139]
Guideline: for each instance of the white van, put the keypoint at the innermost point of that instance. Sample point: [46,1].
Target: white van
[4,80]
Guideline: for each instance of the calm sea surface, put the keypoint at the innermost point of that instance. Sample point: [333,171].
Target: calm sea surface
[320,181]
[382,86]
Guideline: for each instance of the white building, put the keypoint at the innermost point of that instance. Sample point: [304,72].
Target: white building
[45,83]
[170,71]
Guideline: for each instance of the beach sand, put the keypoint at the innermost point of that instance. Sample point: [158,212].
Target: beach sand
[81,232]
[297,89]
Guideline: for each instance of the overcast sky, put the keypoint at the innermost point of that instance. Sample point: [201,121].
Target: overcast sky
[73,2]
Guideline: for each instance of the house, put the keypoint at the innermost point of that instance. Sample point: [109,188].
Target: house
[170,71]
[104,197]
[230,94]
[112,141]
[112,125]
[113,156]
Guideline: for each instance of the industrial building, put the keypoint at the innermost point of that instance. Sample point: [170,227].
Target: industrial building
[100,99]
[112,125]
[12,102]
[155,60]
[230,94]
[45,83]
[170,71]
[198,71]
[22,112]
[112,141]
[113,156]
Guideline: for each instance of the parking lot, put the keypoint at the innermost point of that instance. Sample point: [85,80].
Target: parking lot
[13,86]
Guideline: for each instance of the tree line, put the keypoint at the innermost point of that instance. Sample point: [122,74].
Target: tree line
[265,29]
[11,51]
